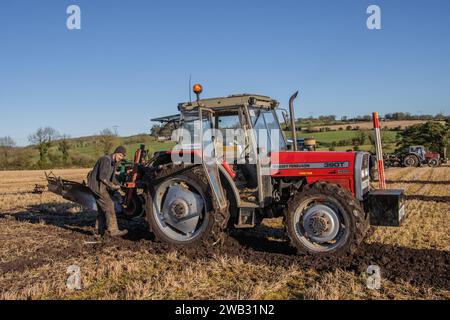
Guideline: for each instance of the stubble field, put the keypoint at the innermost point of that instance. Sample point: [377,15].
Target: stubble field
[41,235]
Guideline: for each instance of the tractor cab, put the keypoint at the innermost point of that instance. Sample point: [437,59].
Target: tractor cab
[420,151]
[235,134]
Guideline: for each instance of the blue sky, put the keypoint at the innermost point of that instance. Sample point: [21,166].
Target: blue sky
[131,60]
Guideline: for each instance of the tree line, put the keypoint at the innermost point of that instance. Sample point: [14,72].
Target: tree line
[433,135]
[395,116]
[49,149]
[54,150]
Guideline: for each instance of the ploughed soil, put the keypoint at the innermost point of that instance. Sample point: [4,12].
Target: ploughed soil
[420,267]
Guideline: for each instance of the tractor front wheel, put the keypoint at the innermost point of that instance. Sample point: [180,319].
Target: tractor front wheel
[325,220]
[135,207]
[433,162]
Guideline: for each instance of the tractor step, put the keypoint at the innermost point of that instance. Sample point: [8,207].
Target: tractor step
[246,218]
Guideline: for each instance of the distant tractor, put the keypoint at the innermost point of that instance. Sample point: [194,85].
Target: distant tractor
[414,156]
[196,190]
[163,139]
[303,144]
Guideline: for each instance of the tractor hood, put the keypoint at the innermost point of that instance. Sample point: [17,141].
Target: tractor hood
[306,163]
[347,169]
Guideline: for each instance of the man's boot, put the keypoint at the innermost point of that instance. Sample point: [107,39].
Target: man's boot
[113,228]
[117,233]
[100,224]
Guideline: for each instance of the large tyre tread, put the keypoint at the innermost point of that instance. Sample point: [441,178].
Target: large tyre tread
[213,234]
[416,161]
[358,218]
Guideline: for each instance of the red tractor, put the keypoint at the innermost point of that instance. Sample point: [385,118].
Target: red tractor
[207,184]
[414,156]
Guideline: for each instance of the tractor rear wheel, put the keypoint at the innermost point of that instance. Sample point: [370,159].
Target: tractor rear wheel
[325,220]
[179,207]
[411,161]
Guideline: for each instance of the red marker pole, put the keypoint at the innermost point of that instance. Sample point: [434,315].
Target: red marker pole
[376,126]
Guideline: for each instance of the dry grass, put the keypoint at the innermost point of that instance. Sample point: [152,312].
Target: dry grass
[41,235]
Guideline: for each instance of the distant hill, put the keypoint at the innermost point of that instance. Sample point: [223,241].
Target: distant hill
[83,152]
[91,146]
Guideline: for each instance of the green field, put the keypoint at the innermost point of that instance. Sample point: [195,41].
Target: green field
[87,150]
[91,147]
[331,136]
[324,139]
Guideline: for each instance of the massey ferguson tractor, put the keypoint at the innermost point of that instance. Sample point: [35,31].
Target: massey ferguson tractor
[207,183]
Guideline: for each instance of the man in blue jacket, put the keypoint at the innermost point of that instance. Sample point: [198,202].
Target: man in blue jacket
[103,183]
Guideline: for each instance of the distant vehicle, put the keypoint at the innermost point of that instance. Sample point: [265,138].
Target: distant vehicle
[163,139]
[303,144]
[169,123]
[414,156]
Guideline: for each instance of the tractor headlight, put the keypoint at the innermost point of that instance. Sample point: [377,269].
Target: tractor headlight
[362,179]
[364,173]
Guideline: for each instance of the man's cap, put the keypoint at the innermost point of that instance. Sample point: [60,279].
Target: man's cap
[121,149]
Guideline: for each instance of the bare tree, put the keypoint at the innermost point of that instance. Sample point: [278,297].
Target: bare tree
[116,130]
[106,140]
[7,142]
[43,139]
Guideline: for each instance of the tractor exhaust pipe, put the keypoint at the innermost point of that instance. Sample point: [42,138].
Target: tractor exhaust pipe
[292,115]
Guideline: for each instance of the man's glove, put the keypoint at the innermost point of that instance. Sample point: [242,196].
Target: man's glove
[111,186]
[115,187]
